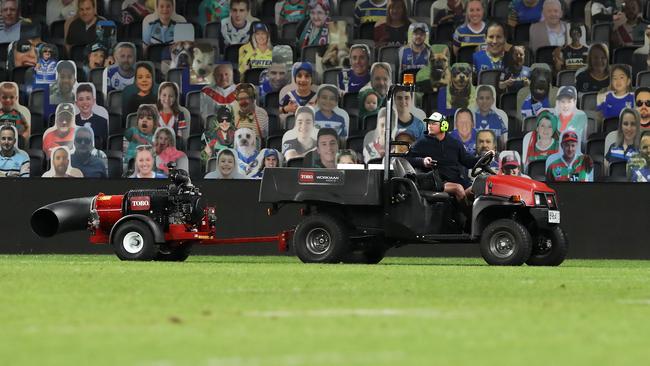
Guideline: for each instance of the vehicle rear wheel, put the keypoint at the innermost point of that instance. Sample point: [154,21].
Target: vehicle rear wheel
[550,247]
[133,241]
[174,254]
[321,238]
[505,242]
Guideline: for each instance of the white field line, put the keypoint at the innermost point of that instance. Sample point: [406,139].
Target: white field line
[325,313]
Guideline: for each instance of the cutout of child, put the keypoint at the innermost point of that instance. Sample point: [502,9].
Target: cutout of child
[369,102]
[12,112]
[164,143]
[619,94]
[571,118]
[329,114]
[142,134]
[638,167]
[220,133]
[300,140]
[227,164]
[267,158]
[486,114]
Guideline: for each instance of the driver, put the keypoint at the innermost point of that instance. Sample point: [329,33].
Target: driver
[450,155]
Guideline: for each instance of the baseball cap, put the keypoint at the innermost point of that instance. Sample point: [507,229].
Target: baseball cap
[569,136]
[419,26]
[435,117]
[509,161]
[567,92]
[224,113]
[259,26]
[97,46]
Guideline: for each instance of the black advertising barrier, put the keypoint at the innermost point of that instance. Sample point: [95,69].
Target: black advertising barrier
[603,220]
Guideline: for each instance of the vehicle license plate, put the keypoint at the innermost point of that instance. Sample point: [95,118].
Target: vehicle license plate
[553,216]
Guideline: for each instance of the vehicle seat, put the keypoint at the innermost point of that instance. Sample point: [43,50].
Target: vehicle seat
[423,181]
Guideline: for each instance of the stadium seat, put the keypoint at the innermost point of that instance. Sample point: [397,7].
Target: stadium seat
[272,100]
[36,162]
[195,165]
[346,7]
[544,55]
[211,165]
[444,32]
[289,31]
[522,33]
[530,123]
[274,124]
[115,163]
[489,77]
[114,101]
[193,101]
[212,30]
[499,10]
[290,122]
[577,11]
[356,143]
[537,170]
[595,148]
[623,55]
[367,30]
[295,163]
[36,102]
[267,10]
[155,52]
[115,124]
[3,53]
[588,101]
[252,76]
[369,123]
[643,78]
[36,141]
[57,31]
[422,7]
[466,54]
[115,142]
[175,76]
[231,54]
[609,125]
[508,102]
[514,125]
[354,121]
[194,143]
[618,169]
[309,53]
[19,75]
[97,78]
[515,144]
[115,10]
[331,76]
[566,78]
[600,32]
[389,54]
[274,142]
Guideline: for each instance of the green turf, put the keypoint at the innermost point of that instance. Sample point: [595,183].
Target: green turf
[96,310]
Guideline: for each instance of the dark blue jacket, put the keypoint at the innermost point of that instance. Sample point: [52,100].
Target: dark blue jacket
[453,160]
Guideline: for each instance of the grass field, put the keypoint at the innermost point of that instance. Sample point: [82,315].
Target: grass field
[96,310]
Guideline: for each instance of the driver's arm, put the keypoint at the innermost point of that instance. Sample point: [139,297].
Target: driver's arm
[466,159]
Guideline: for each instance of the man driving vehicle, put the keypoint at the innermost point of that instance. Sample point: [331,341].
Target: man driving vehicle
[447,153]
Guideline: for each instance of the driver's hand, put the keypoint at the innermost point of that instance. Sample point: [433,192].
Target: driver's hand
[428,162]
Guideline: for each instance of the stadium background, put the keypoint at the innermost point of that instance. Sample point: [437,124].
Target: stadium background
[603,220]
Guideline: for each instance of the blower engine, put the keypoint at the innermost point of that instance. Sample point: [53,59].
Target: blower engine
[142,224]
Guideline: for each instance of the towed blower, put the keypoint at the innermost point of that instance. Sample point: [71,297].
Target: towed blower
[144,224]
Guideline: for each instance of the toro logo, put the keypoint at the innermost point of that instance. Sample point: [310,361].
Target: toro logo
[306,177]
[140,203]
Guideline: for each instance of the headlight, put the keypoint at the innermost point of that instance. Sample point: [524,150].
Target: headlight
[539,199]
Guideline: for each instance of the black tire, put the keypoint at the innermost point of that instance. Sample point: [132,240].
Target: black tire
[550,247]
[366,256]
[505,242]
[321,238]
[134,241]
[174,254]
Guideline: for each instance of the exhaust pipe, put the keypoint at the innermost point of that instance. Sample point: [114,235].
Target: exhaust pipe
[63,216]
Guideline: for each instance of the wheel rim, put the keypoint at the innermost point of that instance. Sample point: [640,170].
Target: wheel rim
[544,245]
[502,244]
[318,241]
[133,242]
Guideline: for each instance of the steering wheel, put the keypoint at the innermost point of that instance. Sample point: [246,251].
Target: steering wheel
[483,164]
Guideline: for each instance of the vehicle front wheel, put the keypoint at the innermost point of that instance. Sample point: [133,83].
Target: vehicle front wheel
[505,242]
[134,241]
[550,247]
[321,238]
